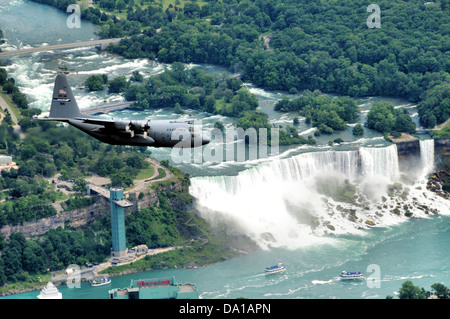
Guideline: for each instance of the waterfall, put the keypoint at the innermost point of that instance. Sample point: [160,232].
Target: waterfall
[427,156]
[380,161]
[278,200]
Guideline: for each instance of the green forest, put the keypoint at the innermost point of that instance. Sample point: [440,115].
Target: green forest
[28,194]
[293,46]
[191,88]
[312,46]
[184,88]
[47,150]
[410,291]
[324,112]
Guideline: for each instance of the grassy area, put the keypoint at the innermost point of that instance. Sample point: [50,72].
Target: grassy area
[165,4]
[222,106]
[161,174]
[34,282]
[61,196]
[146,173]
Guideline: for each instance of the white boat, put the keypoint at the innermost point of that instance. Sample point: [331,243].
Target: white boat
[351,275]
[100,281]
[275,269]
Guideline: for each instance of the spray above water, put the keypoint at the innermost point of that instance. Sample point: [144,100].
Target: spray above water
[293,202]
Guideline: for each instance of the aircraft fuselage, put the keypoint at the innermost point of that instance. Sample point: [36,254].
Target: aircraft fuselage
[158,133]
[155,133]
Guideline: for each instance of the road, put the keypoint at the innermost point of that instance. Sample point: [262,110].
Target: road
[89,273]
[5,106]
[141,185]
[436,128]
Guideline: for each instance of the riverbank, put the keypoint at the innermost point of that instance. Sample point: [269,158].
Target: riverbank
[164,258]
[37,282]
[205,245]
[228,278]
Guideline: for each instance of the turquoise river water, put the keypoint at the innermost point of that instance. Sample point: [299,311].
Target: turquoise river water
[271,200]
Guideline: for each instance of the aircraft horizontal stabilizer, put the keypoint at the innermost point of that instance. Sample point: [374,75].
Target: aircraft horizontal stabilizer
[118,132]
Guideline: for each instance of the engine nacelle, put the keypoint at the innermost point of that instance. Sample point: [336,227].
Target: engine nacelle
[139,125]
[122,125]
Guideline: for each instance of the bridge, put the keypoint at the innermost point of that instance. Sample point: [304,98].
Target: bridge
[424,131]
[105,193]
[436,128]
[103,43]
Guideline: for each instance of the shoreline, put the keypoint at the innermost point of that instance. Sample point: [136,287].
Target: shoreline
[61,283]
[130,271]
[125,272]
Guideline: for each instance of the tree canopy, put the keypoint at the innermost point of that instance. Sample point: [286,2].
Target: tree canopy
[384,118]
[294,46]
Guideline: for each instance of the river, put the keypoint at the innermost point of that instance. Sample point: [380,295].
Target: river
[274,200]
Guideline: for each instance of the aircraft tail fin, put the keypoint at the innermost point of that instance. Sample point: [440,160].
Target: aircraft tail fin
[63,104]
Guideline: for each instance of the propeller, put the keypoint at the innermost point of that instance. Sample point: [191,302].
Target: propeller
[132,128]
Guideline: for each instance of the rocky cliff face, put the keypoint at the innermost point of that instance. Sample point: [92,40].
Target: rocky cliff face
[408,148]
[442,154]
[407,151]
[82,217]
[413,147]
[76,218]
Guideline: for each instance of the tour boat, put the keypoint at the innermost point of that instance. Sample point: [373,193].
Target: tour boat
[100,281]
[351,275]
[275,269]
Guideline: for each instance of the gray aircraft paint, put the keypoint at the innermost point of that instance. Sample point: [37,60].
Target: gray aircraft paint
[157,133]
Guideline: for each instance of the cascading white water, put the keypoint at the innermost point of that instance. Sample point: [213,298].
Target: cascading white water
[380,162]
[427,156]
[275,203]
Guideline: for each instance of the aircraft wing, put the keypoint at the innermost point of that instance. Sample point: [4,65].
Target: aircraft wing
[97,121]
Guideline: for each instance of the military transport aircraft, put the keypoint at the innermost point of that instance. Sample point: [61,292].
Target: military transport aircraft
[155,133]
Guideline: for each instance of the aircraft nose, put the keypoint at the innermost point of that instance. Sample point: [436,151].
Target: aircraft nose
[205,140]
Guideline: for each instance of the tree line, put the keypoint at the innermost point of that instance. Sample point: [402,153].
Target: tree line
[291,46]
[410,291]
[47,150]
[9,87]
[322,111]
[183,88]
[313,46]
[57,249]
